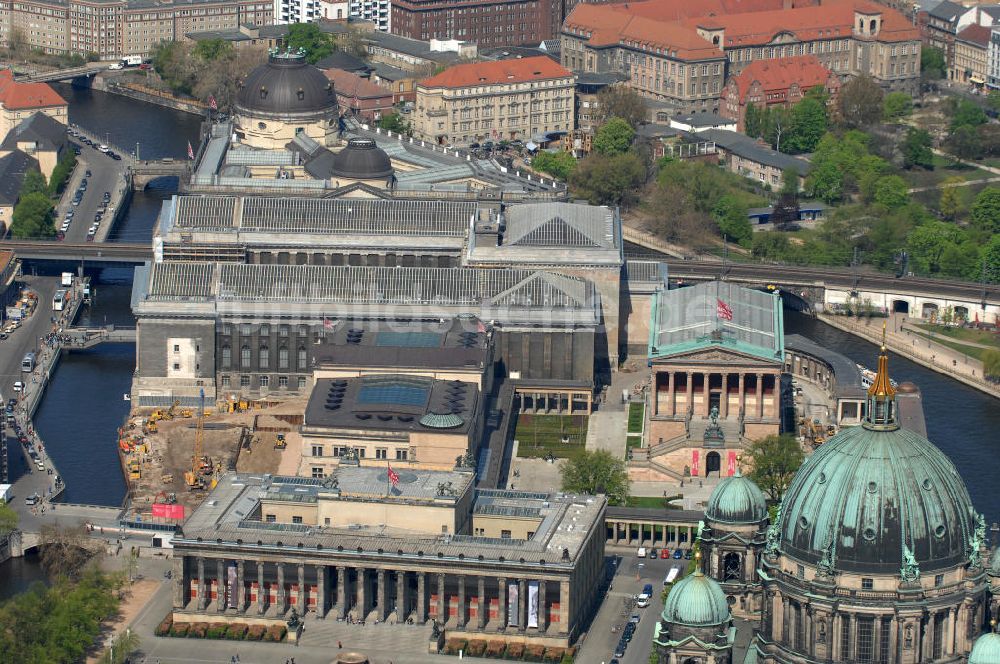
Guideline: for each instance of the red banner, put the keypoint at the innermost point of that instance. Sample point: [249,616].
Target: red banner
[731,464]
[695,466]
[164,511]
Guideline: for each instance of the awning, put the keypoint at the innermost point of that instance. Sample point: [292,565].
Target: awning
[531,145]
[976,79]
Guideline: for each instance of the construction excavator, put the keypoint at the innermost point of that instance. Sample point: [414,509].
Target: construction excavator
[193,477]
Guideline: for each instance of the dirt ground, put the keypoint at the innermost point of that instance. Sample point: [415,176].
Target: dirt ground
[136,598]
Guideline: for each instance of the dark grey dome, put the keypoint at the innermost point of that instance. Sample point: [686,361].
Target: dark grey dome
[362,159]
[286,84]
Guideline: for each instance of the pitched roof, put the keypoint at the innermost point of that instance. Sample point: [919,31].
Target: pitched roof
[781,74]
[673,10]
[747,148]
[15,95]
[12,169]
[947,10]
[978,35]
[608,25]
[349,84]
[39,128]
[539,68]
[344,61]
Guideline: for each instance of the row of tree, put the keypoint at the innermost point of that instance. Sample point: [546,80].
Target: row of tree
[33,214]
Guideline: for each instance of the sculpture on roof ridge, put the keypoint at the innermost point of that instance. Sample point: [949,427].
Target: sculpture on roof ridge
[828,561]
[976,545]
[773,534]
[910,571]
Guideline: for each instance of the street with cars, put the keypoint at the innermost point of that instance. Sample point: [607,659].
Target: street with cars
[87,201]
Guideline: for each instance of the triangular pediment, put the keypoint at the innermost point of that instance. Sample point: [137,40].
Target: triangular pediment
[544,289]
[358,190]
[555,232]
[715,355]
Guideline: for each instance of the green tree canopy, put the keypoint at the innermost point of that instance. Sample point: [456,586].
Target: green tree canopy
[991,258]
[308,37]
[605,180]
[597,472]
[621,101]
[33,217]
[808,124]
[916,149]
[62,171]
[891,191]
[985,211]
[991,363]
[211,50]
[557,164]
[730,215]
[896,106]
[8,518]
[967,114]
[395,122]
[790,182]
[932,64]
[772,463]
[753,121]
[33,183]
[963,143]
[928,242]
[860,102]
[950,202]
[613,138]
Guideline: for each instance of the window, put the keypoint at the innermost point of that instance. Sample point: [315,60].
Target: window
[282,330]
[227,357]
[800,571]
[246,330]
[282,381]
[226,382]
[504,534]
[265,330]
[381,453]
[245,357]
[302,358]
[283,357]
[938,580]
[296,519]
[317,450]
[866,641]
[401,455]
[265,381]
[244,381]
[319,473]
[177,366]
[326,521]
[270,518]
[177,348]
[301,382]
[264,358]
[867,584]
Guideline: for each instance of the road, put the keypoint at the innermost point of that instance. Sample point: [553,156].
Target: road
[106,175]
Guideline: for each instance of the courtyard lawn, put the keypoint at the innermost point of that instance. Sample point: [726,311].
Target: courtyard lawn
[632,442]
[971,351]
[562,436]
[652,501]
[636,415]
[960,334]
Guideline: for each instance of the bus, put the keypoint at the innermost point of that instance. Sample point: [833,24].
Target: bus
[28,363]
[671,576]
[59,300]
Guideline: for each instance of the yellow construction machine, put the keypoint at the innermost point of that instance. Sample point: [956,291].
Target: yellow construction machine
[193,477]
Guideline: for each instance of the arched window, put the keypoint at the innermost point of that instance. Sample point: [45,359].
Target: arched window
[302,358]
[265,357]
[227,357]
[873,26]
[283,357]
[340,13]
[732,569]
[245,357]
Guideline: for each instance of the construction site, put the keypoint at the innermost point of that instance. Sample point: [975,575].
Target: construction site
[173,457]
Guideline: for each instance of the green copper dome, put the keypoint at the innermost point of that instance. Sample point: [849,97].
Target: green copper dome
[736,500]
[876,496]
[696,601]
[986,649]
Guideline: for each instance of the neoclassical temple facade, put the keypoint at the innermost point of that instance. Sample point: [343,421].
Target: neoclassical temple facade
[492,563]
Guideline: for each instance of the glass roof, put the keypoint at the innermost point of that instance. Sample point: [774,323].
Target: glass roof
[393,392]
[408,339]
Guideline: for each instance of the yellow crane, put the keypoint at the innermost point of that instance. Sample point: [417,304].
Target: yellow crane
[193,476]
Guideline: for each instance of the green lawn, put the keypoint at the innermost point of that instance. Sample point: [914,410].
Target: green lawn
[651,501]
[636,415]
[964,334]
[943,169]
[632,442]
[971,351]
[540,435]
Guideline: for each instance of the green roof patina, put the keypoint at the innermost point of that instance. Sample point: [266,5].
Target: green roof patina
[687,319]
[696,601]
[986,650]
[880,499]
[736,500]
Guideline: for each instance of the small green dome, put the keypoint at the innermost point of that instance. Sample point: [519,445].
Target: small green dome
[736,500]
[441,420]
[986,649]
[696,601]
[995,562]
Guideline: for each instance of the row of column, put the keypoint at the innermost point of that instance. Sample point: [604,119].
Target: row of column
[634,532]
[353,587]
[669,409]
[568,403]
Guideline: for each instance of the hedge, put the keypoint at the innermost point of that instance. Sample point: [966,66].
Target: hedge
[255,632]
[236,631]
[453,646]
[163,629]
[179,629]
[275,633]
[495,649]
[514,651]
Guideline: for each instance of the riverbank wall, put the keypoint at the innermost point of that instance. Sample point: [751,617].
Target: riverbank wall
[920,350]
[104,83]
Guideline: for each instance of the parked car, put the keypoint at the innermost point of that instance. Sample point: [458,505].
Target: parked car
[688,555]
[18,386]
[88,173]
[678,554]
[653,554]
[664,553]
[33,499]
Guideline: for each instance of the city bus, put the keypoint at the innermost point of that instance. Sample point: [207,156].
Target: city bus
[59,300]
[28,363]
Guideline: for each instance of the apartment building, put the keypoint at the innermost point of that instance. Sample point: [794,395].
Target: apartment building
[506,99]
[378,12]
[679,55]
[781,82]
[115,28]
[487,22]
[970,63]
[307,11]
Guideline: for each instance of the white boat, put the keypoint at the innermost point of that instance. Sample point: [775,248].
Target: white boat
[868,377]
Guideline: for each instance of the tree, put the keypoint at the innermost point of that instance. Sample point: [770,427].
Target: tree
[211,50]
[991,363]
[927,243]
[773,461]
[62,171]
[753,121]
[790,182]
[967,114]
[606,180]
[860,102]
[963,143]
[63,550]
[613,138]
[950,203]
[896,106]
[932,65]
[8,518]
[916,149]
[985,211]
[808,124]
[731,217]
[125,645]
[34,182]
[891,192]
[33,217]
[991,258]
[395,122]
[557,164]
[597,472]
[621,101]
[308,37]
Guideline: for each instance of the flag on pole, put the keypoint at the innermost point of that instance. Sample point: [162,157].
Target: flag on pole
[722,310]
[190,151]
[393,476]
[327,323]
[480,328]
[212,103]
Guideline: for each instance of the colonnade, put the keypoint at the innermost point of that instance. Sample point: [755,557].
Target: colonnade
[737,391]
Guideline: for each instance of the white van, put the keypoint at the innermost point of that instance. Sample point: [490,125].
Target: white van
[641,553]
[642,601]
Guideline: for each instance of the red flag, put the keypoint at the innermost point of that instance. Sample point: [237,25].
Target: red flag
[723,310]
[212,104]
[480,328]
[393,476]
[190,151]
[327,323]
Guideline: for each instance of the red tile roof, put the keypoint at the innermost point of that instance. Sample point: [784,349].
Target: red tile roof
[24,96]
[975,34]
[611,24]
[351,85]
[781,74]
[522,70]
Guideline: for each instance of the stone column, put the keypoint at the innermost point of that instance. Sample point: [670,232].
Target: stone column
[836,625]
[724,397]
[380,593]
[483,610]
[853,637]
[689,406]
[421,598]
[301,602]
[401,611]
[671,393]
[202,590]
[893,638]
[282,591]
[564,615]
[502,602]
[786,618]
[928,642]
[522,603]
[460,613]
[361,598]
[950,643]
[322,585]
[182,583]
[341,591]
[220,584]
[241,587]
[442,605]
[877,638]
[543,609]
[705,392]
[760,396]
[741,391]
[260,588]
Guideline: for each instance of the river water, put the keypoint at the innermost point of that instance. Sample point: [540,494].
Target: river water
[83,406]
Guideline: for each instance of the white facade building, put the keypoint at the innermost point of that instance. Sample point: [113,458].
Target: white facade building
[377,11]
[993,60]
[307,11]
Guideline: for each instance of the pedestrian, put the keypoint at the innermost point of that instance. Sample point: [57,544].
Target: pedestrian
[340,646]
